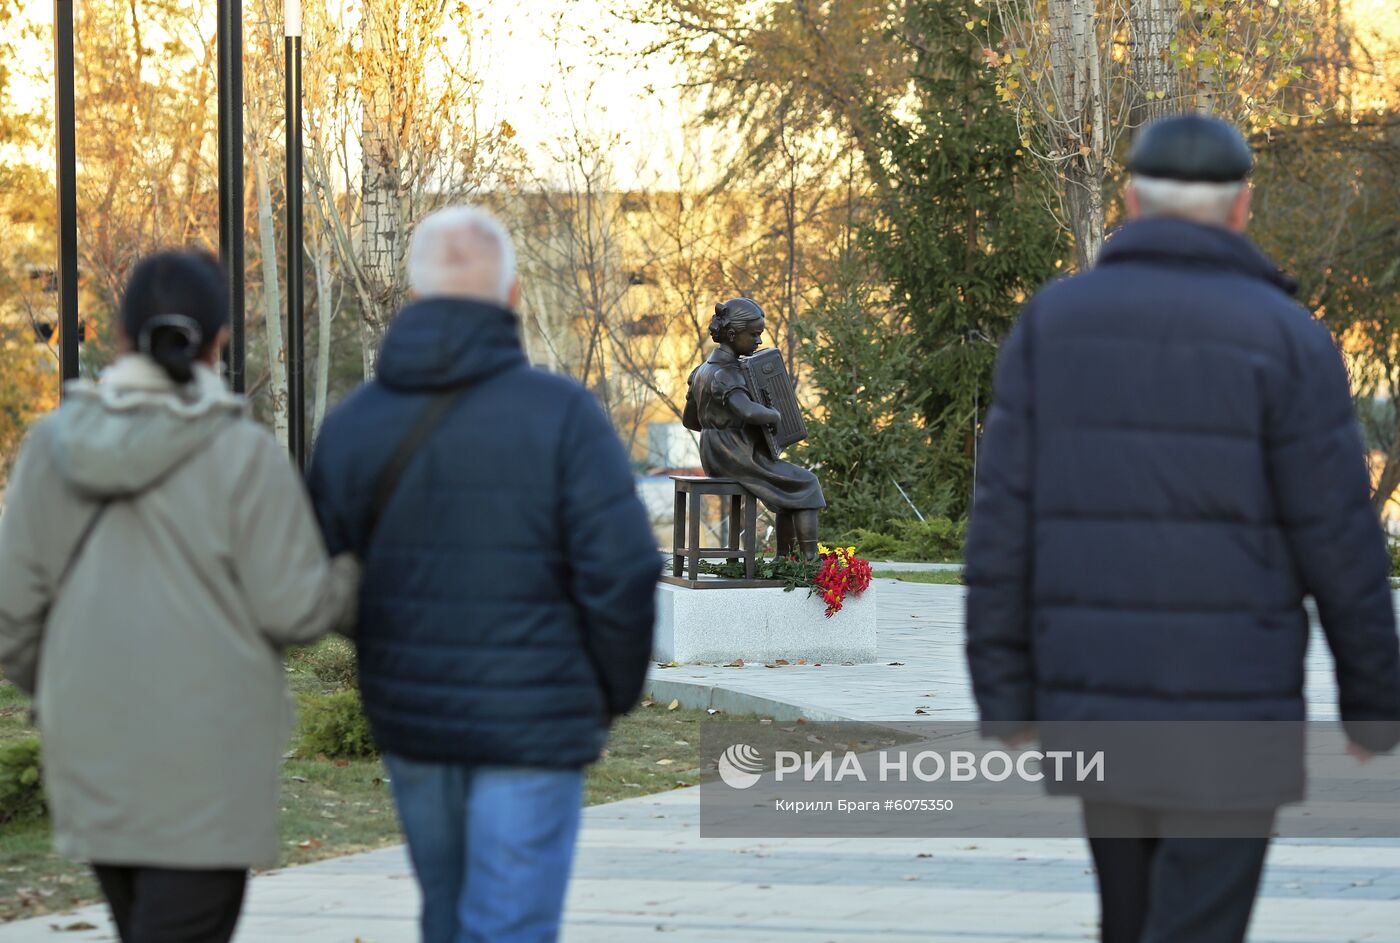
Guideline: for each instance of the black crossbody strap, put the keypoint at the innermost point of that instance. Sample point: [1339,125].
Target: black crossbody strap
[388,481]
[101,509]
[81,542]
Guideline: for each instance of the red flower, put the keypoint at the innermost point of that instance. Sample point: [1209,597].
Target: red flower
[838,577]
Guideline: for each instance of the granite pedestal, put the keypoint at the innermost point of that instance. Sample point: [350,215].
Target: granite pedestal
[717,625]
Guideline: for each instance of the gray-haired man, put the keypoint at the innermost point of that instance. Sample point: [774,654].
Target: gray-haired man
[506,608]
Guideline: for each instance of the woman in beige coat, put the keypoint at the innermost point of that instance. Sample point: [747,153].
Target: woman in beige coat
[157,553]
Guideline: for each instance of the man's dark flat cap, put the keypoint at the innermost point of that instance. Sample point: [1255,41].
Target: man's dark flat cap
[1191,148]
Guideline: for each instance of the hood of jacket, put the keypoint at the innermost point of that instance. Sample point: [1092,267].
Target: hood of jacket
[1182,242]
[442,342]
[119,437]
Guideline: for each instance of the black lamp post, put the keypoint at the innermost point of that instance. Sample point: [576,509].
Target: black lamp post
[67,182]
[230,44]
[230,68]
[296,368]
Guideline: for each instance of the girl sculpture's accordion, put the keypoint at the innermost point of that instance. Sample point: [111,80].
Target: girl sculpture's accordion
[769,385]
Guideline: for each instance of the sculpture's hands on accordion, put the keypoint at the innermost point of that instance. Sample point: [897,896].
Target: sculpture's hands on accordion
[752,413]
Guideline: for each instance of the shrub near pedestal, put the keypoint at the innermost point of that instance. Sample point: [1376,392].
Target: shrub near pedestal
[334,725]
[21,792]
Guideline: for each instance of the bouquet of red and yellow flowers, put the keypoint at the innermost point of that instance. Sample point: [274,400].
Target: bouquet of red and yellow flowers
[835,574]
[840,573]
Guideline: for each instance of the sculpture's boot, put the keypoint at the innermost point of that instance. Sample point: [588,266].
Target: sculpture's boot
[804,522]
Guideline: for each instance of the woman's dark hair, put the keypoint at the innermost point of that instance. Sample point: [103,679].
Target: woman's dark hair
[733,313]
[174,307]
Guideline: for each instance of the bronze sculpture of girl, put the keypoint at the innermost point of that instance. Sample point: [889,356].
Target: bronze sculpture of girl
[718,406]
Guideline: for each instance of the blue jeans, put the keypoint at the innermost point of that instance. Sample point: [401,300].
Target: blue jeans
[491,847]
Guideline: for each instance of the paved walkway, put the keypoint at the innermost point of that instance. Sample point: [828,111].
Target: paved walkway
[644,874]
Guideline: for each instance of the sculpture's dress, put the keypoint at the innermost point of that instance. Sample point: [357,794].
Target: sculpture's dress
[730,450]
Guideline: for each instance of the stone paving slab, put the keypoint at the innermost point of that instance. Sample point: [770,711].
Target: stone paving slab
[644,874]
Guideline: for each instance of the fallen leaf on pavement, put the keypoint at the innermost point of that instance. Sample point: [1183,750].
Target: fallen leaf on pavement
[736,663]
[920,710]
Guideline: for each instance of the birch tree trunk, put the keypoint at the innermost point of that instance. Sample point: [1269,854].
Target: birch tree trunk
[272,297]
[382,227]
[1079,116]
[325,311]
[1154,87]
[1205,86]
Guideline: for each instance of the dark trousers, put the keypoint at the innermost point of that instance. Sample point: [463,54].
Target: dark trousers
[1170,882]
[169,905]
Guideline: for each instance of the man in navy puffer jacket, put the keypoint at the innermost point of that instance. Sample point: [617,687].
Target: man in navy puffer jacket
[1171,465]
[507,603]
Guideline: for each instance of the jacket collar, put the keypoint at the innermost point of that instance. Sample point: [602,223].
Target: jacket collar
[1182,242]
[443,342]
[135,381]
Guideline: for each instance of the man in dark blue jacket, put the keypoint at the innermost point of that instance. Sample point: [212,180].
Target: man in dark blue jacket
[1171,465]
[507,603]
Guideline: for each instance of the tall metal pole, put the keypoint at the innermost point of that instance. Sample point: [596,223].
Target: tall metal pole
[296,368]
[67,180]
[230,43]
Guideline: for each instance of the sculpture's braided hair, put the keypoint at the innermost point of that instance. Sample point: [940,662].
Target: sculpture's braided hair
[733,314]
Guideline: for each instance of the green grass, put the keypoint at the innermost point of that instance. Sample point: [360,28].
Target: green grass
[634,762]
[34,880]
[941,577]
[338,807]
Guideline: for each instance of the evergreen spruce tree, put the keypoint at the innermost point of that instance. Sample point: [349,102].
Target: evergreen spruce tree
[961,235]
[865,436]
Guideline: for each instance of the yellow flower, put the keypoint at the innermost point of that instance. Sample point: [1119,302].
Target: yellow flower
[823,549]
